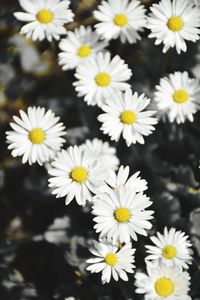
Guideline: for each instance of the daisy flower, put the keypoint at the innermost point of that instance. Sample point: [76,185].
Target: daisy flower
[172,248]
[46,18]
[177,97]
[163,282]
[172,22]
[111,261]
[120,18]
[121,214]
[36,135]
[121,178]
[104,152]
[101,77]
[78,46]
[126,115]
[76,174]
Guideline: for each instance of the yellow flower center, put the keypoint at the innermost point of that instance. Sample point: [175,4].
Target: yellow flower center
[79,174]
[36,136]
[44,16]
[84,51]
[102,79]
[111,259]
[169,251]
[175,23]
[164,287]
[122,214]
[180,96]
[128,117]
[120,20]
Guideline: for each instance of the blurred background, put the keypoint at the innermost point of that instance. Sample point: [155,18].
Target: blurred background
[43,243]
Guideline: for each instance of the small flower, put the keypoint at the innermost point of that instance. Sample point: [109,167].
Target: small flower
[37,135]
[172,22]
[121,214]
[78,46]
[163,282]
[103,152]
[119,179]
[177,97]
[172,248]
[125,114]
[101,78]
[111,261]
[76,174]
[45,18]
[120,18]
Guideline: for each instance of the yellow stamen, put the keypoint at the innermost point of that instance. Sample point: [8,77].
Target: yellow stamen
[36,136]
[122,214]
[44,16]
[164,287]
[79,174]
[120,20]
[102,79]
[175,23]
[180,96]
[111,259]
[84,51]
[128,117]
[169,251]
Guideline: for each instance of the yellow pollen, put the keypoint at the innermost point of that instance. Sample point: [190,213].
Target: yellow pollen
[169,251]
[44,16]
[36,136]
[102,79]
[175,23]
[120,20]
[164,287]
[111,259]
[79,174]
[122,214]
[128,117]
[180,96]
[84,51]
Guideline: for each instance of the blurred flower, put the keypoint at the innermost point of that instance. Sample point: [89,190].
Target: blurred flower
[172,248]
[119,179]
[174,21]
[125,114]
[45,18]
[101,77]
[120,18]
[104,152]
[111,261]
[177,97]
[121,215]
[36,136]
[163,282]
[75,174]
[78,46]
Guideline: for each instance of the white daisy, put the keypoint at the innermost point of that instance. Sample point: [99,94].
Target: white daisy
[172,22]
[172,248]
[125,114]
[78,46]
[120,18]
[103,152]
[121,214]
[119,179]
[46,18]
[36,135]
[177,97]
[101,77]
[111,261]
[76,174]
[163,282]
